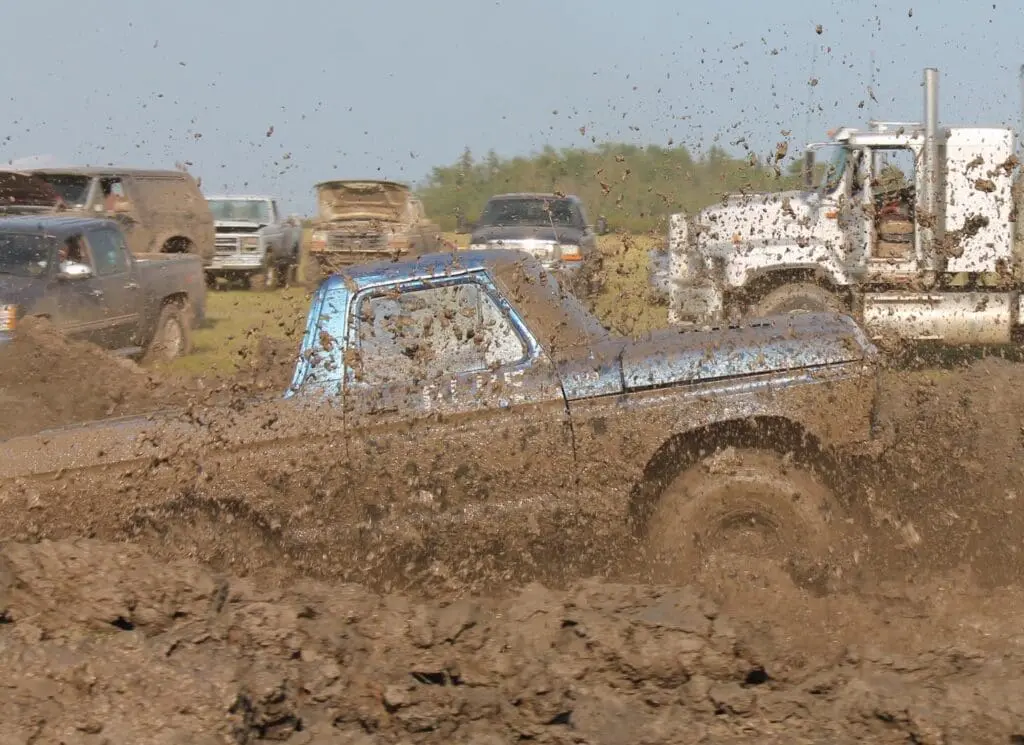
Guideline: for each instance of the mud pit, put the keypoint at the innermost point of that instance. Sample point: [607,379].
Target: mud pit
[113,642]
[101,644]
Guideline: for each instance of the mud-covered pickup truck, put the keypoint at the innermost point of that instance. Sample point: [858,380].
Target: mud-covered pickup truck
[463,405]
[79,273]
[254,241]
[363,221]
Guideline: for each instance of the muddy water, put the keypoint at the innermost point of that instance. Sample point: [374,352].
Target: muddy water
[129,640]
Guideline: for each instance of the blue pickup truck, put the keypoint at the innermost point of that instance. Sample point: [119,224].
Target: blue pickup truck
[462,404]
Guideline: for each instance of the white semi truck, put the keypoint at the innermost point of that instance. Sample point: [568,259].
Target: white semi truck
[933,258]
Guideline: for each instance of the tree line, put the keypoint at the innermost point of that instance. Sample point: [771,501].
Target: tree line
[635,188]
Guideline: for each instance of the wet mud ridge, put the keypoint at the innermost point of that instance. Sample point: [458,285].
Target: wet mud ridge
[48,380]
[100,643]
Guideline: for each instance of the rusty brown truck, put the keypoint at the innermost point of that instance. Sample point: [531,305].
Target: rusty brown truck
[361,221]
[160,211]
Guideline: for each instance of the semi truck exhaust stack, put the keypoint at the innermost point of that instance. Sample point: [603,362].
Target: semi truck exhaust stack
[933,168]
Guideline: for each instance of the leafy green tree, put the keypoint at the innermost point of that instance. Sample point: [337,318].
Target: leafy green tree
[636,188]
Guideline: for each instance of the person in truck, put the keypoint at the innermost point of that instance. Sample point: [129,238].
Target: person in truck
[71,252]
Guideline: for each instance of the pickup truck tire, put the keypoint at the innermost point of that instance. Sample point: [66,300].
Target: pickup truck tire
[747,502]
[795,298]
[173,334]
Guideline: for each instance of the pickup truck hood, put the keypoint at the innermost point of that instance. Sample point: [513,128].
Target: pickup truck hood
[248,225]
[756,219]
[514,233]
[776,344]
[361,200]
[141,438]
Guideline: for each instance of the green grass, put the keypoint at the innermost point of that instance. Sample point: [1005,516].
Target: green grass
[236,319]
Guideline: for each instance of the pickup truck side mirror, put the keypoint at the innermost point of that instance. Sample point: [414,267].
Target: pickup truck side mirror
[71,270]
[602,226]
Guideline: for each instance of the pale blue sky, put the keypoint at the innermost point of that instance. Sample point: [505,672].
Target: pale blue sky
[389,89]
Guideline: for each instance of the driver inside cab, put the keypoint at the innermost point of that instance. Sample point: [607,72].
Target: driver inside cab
[70,252]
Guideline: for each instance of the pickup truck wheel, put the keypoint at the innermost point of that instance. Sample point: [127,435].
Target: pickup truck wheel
[803,297]
[744,502]
[173,335]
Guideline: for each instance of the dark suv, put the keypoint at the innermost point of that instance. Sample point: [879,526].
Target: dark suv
[551,227]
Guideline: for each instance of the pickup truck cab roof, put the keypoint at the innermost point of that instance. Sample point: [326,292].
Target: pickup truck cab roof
[54,225]
[591,361]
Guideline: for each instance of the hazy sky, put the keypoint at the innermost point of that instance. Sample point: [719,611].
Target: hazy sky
[390,89]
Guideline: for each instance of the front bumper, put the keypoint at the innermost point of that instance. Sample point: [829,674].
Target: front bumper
[249,261]
[336,258]
[699,303]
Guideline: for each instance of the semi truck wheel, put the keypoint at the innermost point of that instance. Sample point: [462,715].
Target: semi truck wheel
[173,335]
[747,502]
[803,297]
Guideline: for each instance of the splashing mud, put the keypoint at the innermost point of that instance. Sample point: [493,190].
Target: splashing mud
[129,639]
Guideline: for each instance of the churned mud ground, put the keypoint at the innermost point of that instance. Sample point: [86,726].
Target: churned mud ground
[111,642]
[47,380]
[99,643]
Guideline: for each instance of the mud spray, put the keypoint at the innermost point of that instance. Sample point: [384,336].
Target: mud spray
[122,641]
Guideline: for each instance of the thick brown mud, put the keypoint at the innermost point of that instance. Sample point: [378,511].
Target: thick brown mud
[102,644]
[128,639]
[48,380]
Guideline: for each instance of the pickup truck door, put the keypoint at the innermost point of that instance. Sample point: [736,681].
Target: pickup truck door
[454,415]
[115,286]
[79,310]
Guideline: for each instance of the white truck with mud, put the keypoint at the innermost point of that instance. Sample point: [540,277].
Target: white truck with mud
[254,241]
[931,258]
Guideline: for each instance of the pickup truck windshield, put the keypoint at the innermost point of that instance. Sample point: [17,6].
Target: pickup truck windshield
[833,174]
[24,255]
[246,210]
[74,190]
[540,212]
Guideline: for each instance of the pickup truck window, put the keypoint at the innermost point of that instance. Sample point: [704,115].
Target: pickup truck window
[24,255]
[74,190]
[428,333]
[73,251]
[108,252]
[539,212]
[248,210]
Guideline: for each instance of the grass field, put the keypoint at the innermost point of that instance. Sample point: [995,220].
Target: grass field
[237,318]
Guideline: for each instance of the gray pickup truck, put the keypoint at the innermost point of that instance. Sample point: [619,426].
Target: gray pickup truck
[254,240]
[79,273]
